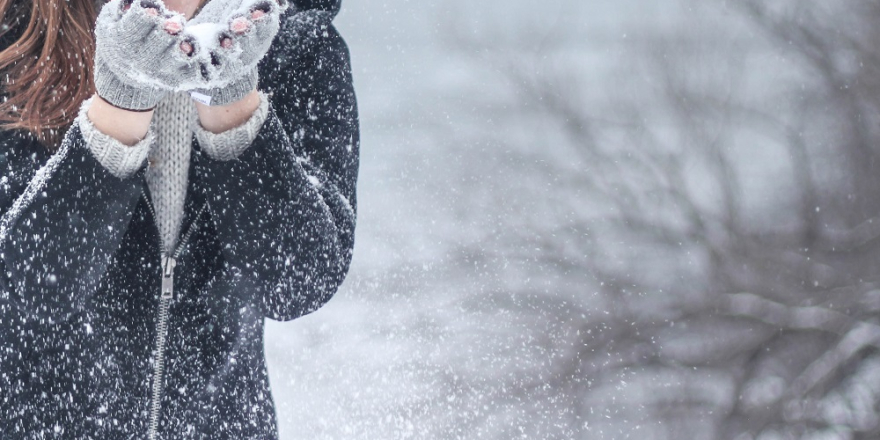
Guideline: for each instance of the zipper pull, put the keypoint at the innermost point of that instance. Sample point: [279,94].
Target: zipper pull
[168,277]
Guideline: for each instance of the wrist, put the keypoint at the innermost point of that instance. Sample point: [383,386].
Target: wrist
[220,118]
[230,93]
[126,126]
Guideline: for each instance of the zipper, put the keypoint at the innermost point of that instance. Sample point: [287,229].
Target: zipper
[169,262]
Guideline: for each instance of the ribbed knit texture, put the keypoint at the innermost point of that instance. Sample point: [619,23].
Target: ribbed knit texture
[168,172]
[136,61]
[168,144]
[124,94]
[122,161]
[231,143]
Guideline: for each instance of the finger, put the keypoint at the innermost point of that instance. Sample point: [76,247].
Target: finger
[226,42]
[240,25]
[258,9]
[221,56]
[187,47]
[263,8]
[260,13]
[141,18]
[205,37]
[150,7]
[203,46]
[252,38]
[173,25]
[267,6]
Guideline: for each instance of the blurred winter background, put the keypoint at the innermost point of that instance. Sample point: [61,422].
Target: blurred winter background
[581,219]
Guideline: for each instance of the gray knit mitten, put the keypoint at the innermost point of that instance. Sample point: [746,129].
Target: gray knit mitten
[142,52]
[237,34]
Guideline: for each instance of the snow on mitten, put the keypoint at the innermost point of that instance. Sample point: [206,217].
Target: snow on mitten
[142,52]
[237,34]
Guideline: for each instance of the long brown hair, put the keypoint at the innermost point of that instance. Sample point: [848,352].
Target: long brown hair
[47,71]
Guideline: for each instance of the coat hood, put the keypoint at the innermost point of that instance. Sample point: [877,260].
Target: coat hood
[331,6]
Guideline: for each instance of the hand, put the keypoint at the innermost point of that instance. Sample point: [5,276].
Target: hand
[237,34]
[143,52]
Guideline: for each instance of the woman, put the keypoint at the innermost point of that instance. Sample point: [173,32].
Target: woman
[146,236]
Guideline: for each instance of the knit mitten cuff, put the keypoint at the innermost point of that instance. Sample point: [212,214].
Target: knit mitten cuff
[121,160]
[230,93]
[231,143]
[123,95]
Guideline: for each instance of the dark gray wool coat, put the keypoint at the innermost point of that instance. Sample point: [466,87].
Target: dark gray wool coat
[270,234]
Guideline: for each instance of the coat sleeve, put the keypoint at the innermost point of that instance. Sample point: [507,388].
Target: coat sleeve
[59,232]
[285,208]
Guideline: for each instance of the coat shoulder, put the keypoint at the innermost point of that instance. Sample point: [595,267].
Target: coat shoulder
[307,40]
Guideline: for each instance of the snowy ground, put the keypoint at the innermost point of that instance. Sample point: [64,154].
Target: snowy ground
[413,344]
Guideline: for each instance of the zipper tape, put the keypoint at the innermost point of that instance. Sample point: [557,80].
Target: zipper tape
[169,262]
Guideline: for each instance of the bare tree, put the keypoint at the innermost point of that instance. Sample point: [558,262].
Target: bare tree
[703,224]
